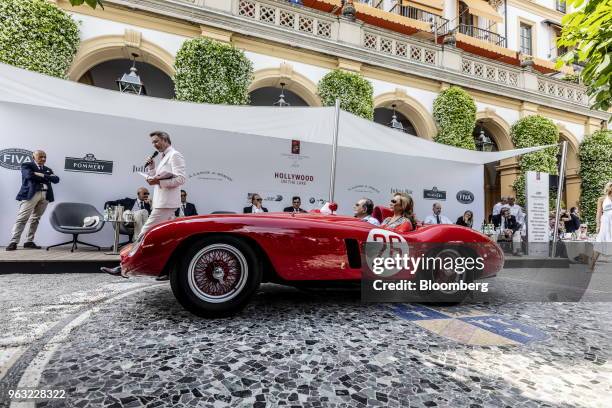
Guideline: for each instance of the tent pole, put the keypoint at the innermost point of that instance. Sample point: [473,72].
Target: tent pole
[332,177]
[559,194]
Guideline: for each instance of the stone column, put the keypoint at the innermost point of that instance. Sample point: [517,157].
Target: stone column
[509,171]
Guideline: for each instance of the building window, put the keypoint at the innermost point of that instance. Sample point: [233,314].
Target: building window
[526,39]
[561,6]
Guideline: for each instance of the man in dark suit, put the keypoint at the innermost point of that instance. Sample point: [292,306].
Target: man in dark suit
[186,209]
[297,202]
[35,194]
[255,206]
[508,228]
[139,206]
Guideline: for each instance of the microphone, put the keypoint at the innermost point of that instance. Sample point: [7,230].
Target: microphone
[151,158]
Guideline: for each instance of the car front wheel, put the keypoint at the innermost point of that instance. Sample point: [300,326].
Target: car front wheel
[217,276]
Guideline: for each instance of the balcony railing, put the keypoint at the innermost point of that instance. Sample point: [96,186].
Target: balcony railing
[561,6]
[418,14]
[482,34]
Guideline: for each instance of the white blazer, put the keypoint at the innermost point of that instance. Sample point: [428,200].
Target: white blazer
[167,194]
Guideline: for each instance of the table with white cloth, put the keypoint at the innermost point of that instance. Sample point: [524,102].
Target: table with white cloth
[578,251]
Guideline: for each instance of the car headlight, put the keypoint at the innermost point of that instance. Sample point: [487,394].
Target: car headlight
[136,245]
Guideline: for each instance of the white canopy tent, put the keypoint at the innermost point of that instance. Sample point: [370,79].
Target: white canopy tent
[230,150]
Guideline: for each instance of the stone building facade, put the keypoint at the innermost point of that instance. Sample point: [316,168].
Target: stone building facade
[501,52]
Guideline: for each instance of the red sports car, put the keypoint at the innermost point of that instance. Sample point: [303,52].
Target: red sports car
[217,262]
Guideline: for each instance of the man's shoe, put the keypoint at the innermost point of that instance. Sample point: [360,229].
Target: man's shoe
[31,245]
[116,271]
[162,278]
[11,247]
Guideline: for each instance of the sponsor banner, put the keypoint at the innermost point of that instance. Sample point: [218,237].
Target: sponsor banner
[434,194]
[88,164]
[465,197]
[13,158]
[221,167]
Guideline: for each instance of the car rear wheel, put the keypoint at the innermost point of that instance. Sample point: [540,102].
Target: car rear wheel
[217,276]
[440,275]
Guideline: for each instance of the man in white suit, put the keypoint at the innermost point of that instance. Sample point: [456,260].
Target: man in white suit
[166,177]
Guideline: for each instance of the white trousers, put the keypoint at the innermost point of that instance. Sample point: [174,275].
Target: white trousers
[32,210]
[140,219]
[157,216]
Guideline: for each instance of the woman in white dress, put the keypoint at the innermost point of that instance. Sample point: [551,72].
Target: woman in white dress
[603,219]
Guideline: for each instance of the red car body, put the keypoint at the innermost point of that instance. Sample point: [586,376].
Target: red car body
[298,247]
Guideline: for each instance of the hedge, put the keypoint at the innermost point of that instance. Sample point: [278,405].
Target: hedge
[355,92]
[595,155]
[532,131]
[38,36]
[454,111]
[208,71]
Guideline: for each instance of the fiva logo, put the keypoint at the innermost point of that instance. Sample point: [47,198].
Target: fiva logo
[12,159]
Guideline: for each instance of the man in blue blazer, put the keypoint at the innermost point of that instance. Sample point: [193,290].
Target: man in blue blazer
[35,194]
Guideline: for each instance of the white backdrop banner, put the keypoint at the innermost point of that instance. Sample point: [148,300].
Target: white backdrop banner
[97,140]
[97,158]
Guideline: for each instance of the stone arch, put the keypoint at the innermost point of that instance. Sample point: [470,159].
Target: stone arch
[294,82]
[497,127]
[573,162]
[108,47]
[412,109]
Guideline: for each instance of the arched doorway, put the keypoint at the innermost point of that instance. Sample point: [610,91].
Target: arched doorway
[498,176]
[266,86]
[105,75]
[416,116]
[269,96]
[492,179]
[571,188]
[385,115]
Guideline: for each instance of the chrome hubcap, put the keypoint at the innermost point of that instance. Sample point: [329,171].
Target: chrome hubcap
[218,273]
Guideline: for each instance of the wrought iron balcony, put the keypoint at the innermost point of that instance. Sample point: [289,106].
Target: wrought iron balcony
[418,14]
[482,34]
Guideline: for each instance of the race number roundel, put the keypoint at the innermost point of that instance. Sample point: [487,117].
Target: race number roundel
[382,244]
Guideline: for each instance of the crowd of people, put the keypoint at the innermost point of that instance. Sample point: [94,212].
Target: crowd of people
[167,175]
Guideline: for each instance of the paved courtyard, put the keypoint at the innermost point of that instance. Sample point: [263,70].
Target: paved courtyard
[126,343]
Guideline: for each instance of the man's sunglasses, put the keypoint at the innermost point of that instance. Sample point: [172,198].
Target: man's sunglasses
[258,199]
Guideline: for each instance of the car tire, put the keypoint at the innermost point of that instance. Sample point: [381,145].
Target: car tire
[216,276]
[439,275]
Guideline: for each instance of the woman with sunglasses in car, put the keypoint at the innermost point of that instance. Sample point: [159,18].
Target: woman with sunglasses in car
[402,206]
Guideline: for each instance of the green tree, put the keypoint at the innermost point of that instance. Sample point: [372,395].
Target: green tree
[455,113]
[588,33]
[595,171]
[354,91]
[209,71]
[38,36]
[533,131]
[91,3]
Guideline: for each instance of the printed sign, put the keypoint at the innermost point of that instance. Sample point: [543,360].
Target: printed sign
[434,194]
[12,159]
[88,164]
[538,229]
[465,197]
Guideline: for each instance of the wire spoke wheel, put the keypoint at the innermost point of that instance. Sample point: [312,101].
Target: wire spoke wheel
[444,275]
[217,273]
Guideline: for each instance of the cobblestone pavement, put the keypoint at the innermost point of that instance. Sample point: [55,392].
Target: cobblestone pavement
[127,343]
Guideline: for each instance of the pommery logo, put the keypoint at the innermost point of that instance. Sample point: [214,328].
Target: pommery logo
[400,190]
[88,164]
[12,159]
